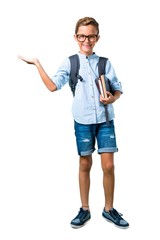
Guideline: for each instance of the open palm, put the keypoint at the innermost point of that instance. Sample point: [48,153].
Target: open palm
[29,61]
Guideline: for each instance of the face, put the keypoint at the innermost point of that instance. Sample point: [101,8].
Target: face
[86,38]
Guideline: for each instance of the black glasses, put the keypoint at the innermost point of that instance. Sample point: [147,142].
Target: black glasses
[82,38]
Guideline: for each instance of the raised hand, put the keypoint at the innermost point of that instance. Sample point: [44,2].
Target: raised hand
[45,78]
[29,61]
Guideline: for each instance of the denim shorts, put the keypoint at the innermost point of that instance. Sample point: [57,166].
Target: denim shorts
[88,135]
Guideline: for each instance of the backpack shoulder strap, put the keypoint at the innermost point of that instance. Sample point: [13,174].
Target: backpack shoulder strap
[101,70]
[101,65]
[74,73]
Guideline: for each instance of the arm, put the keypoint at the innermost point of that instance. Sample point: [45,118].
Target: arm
[111,98]
[45,78]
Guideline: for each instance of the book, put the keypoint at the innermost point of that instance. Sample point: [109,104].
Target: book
[102,86]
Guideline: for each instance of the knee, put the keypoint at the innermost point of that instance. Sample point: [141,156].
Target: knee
[108,168]
[85,164]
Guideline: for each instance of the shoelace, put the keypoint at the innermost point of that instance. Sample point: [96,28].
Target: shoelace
[81,214]
[116,214]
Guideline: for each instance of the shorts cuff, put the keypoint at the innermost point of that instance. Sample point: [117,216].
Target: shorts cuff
[103,150]
[86,153]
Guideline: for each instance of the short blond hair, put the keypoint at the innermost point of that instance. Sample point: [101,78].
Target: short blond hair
[85,22]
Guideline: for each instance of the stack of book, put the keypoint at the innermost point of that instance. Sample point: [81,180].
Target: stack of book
[102,86]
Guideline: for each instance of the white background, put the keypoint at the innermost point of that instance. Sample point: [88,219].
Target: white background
[38,160]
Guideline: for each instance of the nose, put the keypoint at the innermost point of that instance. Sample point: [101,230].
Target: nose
[86,39]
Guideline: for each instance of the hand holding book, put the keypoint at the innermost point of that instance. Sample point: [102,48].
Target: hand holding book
[106,96]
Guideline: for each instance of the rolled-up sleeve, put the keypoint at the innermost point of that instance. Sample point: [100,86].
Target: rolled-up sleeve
[111,75]
[61,77]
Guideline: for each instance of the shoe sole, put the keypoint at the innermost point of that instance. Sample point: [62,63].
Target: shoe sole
[122,227]
[76,226]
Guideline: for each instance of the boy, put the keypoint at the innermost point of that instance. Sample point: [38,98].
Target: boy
[90,119]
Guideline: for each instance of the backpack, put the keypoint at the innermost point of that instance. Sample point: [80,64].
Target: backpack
[75,65]
[74,76]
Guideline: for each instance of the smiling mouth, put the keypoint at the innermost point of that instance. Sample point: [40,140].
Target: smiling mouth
[87,45]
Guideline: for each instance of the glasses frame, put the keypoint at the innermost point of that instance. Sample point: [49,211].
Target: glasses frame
[85,36]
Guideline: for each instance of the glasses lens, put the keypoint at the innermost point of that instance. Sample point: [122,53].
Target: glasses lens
[92,38]
[82,38]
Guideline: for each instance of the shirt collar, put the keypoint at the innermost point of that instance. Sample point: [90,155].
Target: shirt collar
[92,56]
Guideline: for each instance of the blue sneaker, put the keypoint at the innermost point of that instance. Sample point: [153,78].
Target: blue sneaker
[115,217]
[81,219]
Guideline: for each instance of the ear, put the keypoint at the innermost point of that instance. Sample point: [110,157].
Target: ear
[75,37]
[98,37]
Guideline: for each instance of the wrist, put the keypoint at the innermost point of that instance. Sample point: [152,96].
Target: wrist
[116,95]
[37,63]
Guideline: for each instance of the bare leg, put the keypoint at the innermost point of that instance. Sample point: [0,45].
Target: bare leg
[84,179]
[107,162]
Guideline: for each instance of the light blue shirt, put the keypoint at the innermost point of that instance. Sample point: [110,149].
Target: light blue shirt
[86,107]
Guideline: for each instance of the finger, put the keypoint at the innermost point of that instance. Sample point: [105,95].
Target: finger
[22,58]
[109,94]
